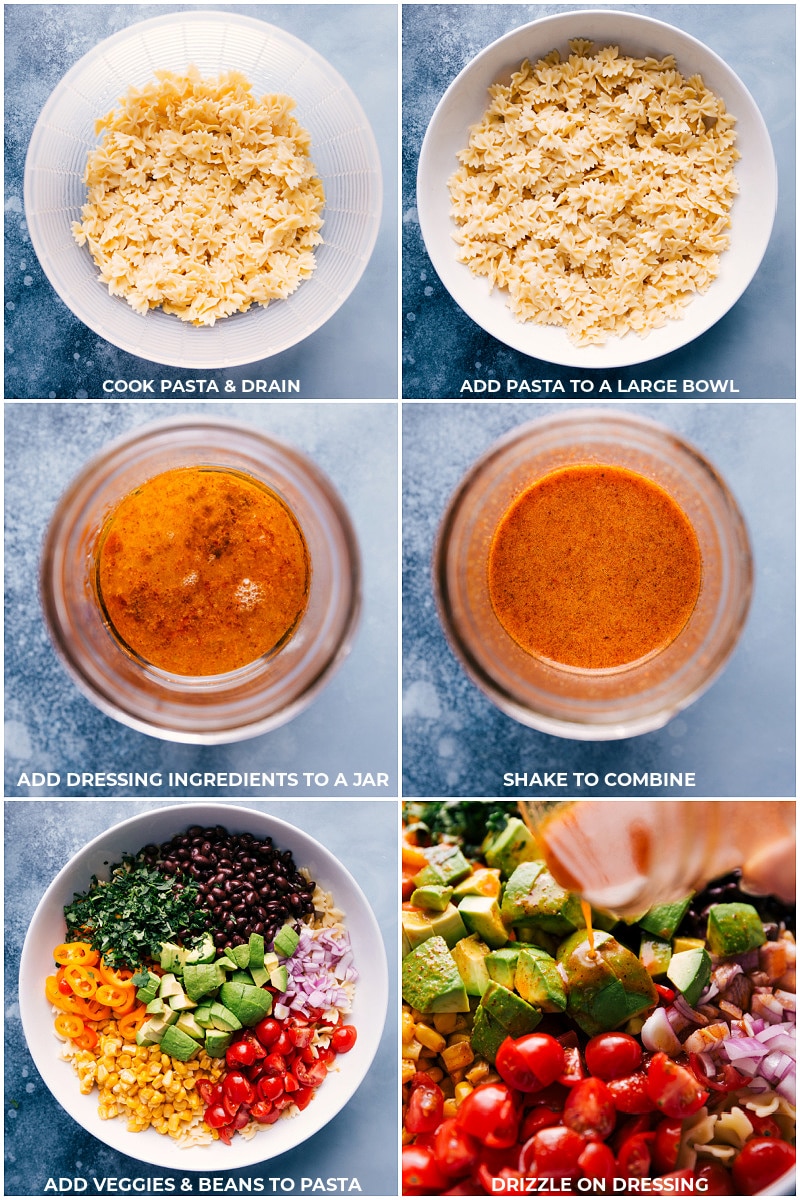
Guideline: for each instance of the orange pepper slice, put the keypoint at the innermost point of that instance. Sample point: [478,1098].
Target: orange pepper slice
[132,1021]
[115,997]
[69,1026]
[87,1040]
[80,953]
[129,1004]
[122,978]
[94,1011]
[413,858]
[67,1004]
[82,980]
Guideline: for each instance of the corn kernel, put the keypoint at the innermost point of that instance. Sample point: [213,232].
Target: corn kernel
[449,1109]
[445,1022]
[457,1056]
[409,1070]
[478,1073]
[462,1090]
[430,1038]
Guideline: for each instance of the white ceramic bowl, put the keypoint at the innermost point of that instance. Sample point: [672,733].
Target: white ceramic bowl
[342,147]
[47,930]
[465,102]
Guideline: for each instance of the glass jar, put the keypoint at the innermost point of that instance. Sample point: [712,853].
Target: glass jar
[592,704]
[212,708]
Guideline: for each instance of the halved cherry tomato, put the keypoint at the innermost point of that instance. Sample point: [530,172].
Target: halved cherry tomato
[425,1107]
[597,1162]
[263,1112]
[613,1055]
[760,1162]
[238,1089]
[590,1110]
[667,1144]
[714,1179]
[553,1153]
[634,1157]
[491,1114]
[421,1175]
[310,1076]
[672,1088]
[270,1087]
[240,1054]
[80,953]
[630,1095]
[268,1031]
[344,1038]
[455,1151]
[216,1116]
[538,1118]
[531,1062]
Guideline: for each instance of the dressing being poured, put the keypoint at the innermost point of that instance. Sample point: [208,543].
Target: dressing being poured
[202,570]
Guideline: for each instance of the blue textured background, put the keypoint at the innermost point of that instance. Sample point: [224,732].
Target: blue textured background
[42,1141]
[753,344]
[739,737]
[51,726]
[50,353]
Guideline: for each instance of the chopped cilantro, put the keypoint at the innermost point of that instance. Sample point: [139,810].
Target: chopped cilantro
[465,821]
[129,916]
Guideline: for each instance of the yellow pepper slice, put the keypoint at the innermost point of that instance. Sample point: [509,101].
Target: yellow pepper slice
[69,1026]
[115,997]
[80,953]
[83,980]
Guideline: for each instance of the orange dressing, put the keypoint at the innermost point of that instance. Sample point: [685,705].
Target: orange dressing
[202,570]
[586,909]
[594,567]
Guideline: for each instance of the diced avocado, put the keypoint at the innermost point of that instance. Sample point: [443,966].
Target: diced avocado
[654,954]
[664,919]
[271,961]
[687,943]
[502,964]
[240,977]
[690,971]
[540,900]
[187,1024]
[169,986]
[204,952]
[487,1035]
[434,896]
[515,906]
[250,1004]
[148,989]
[734,929]
[510,1010]
[178,1044]
[446,866]
[606,986]
[256,946]
[216,1042]
[481,915]
[285,941]
[172,957]
[469,956]
[448,924]
[226,962]
[201,979]
[484,881]
[513,845]
[222,1017]
[202,1014]
[153,1029]
[156,1007]
[181,1003]
[261,976]
[240,955]
[278,978]
[431,980]
[531,935]
[416,927]
[538,981]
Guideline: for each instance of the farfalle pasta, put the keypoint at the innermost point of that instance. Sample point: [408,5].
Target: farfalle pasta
[597,191]
[202,199]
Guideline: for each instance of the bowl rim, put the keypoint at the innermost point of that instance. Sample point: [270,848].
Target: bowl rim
[183,357]
[469,292]
[251,1151]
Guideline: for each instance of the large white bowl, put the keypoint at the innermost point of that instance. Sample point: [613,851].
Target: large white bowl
[47,930]
[342,147]
[464,104]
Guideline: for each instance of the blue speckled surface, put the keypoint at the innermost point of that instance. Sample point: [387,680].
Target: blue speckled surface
[442,346]
[50,353]
[41,1141]
[50,726]
[739,737]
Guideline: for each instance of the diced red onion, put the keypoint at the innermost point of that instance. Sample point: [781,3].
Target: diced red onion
[657,1033]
